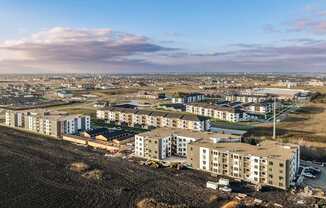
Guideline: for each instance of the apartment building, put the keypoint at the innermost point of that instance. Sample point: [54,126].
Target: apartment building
[263,107]
[222,113]
[269,164]
[162,143]
[153,119]
[51,123]
[189,98]
[15,119]
[244,98]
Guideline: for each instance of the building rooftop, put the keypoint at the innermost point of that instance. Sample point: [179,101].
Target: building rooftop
[215,107]
[279,91]
[54,115]
[159,113]
[267,149]
[159,133]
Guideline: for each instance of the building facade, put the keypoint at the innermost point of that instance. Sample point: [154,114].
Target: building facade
[162,143]
[243,98]
[153,119]
[48,123]
[189,98]
[222,113]
[269,164]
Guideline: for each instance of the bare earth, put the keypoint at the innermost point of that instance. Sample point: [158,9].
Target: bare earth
[36,172]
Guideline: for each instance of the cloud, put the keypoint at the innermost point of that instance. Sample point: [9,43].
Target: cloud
[77,48]
[309,25]
[312,21]
[104,50]
[295,55]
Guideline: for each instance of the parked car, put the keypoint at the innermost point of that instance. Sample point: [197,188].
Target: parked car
[225,189]
[308,175]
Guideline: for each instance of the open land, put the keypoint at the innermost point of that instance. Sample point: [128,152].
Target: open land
[36,172]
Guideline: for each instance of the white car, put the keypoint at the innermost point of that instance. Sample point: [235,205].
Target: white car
[308,175]
[225,189]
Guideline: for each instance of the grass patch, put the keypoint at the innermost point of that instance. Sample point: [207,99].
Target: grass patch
[230,125]
[83,111]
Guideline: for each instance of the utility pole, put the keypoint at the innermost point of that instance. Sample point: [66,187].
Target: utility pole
[274,119]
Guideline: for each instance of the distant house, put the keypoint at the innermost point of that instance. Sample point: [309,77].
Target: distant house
[64,94]
[101,104]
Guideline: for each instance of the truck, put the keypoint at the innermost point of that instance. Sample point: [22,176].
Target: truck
[212,185]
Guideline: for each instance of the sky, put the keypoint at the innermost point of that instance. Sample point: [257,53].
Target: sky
[140,36]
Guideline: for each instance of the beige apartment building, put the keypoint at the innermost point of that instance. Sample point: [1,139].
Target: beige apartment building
[152,119]
[162,143]
[212,111]
[50,123]
[269,164]
[243,98]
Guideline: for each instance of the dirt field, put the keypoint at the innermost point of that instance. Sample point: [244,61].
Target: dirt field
[307,123]
[37,172]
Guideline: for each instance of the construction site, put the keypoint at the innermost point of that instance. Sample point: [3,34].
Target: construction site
[38,171]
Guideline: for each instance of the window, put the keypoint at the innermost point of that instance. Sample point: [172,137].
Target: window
[270,163]
[281,165]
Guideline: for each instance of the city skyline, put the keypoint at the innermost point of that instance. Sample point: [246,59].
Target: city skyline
[143,37]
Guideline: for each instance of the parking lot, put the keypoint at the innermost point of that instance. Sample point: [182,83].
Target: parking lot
[319,181]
